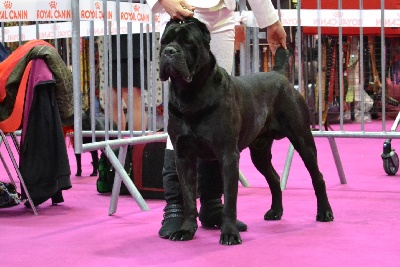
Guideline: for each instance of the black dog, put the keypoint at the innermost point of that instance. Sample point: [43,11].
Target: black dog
[86,126]
[215,116]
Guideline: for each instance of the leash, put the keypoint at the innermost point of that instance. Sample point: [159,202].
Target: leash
[377,87]
[327,46]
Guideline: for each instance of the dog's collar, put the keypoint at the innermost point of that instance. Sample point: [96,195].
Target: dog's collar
[184,21]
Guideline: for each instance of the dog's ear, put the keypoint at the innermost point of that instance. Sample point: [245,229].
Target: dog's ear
[166,26]
[169,23]
[204,30]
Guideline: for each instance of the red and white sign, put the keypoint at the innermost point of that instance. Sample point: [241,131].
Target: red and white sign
[37,10]
[331,18]
[129,12]
[59,12]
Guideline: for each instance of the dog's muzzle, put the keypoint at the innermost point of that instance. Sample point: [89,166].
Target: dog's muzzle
[173,63]
[169,52]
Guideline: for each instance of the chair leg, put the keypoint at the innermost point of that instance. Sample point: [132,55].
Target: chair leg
[3,137]
[7,169]
[15,141]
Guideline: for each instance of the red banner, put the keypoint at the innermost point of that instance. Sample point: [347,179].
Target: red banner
[351,4]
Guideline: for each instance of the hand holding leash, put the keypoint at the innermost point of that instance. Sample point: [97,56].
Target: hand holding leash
[177,9]
[276,36]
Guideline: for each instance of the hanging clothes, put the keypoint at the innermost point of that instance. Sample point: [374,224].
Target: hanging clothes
[44,163]
[11,72]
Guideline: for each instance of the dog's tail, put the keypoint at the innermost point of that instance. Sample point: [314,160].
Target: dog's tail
[281,60]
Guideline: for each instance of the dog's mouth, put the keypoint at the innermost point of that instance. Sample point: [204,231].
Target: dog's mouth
[168,70]
[174,66]
[188,79]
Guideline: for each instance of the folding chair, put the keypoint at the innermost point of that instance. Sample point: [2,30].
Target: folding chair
[4,140]
[8,127]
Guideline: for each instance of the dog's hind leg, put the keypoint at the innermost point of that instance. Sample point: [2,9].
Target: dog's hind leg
[261,157]
[95,162]
[78,165]
[304,144]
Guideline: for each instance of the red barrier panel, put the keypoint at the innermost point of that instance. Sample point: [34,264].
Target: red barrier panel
[351,4]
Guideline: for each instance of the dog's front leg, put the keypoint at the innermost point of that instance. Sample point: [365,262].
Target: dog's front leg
[230,171]
[187,177]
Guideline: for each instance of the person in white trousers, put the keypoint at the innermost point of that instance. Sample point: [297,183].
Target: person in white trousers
[218,15]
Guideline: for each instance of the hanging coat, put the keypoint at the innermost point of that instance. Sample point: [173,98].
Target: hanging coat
[44,163]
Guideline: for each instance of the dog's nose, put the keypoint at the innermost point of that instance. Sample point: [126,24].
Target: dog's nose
[169,51]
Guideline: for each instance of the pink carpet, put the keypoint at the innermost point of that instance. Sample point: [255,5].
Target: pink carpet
[365,232]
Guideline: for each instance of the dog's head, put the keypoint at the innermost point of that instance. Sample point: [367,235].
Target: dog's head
[185,49]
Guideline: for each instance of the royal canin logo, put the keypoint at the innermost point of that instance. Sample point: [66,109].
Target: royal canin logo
[97,5]
[53,4]
[7,4]
[338,14]
[136,8]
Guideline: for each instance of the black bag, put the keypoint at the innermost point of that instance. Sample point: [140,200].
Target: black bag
[143,164]
[8,195]
[105,181]
[148,161]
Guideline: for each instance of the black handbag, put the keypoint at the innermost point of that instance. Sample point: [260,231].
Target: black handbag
[105,181]
[8,195]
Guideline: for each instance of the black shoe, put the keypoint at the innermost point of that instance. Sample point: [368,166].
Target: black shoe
[210,215]
[57,198]
[173,220]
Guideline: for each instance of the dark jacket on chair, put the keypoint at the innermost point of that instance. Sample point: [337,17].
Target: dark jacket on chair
[44,163]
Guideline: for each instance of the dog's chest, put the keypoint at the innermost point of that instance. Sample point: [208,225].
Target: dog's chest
[194,128]
[191,138]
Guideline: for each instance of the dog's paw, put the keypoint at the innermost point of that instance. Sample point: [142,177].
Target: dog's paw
[182,235]
[273,215]
[325,216]
[93,174]
[78,174]
[230,239]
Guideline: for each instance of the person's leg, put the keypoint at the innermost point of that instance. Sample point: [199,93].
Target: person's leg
[211,188]
[136,109]
[210,185]
[221,25]
[173,211]
[95,162]
[137,100]
[116,110]
[78,165]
